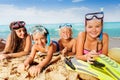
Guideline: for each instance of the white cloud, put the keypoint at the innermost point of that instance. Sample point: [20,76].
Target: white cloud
[77,0]
[33,15]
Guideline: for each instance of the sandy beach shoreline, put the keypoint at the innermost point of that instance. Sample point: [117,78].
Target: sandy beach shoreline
[55,71]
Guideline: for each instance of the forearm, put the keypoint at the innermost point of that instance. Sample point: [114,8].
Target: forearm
[70,53]
[44,63]
[28,61]
[18,54]
[82,57]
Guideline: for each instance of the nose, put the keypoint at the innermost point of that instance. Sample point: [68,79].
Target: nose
[22,32]
[94,29]
[39,41]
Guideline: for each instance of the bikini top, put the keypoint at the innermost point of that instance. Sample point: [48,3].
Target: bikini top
[87,51]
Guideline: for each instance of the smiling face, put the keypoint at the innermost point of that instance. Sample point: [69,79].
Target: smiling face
[65,33]
[93,28]
[20,32]
[39,39]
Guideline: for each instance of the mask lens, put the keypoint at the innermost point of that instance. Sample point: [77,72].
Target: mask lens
[89,17]
[99,16]
[65,25]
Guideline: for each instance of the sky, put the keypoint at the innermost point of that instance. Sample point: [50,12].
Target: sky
[56,11]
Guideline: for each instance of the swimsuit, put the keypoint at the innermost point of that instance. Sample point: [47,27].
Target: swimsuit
[87,51]
[56,45]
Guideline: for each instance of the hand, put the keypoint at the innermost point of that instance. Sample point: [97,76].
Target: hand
[22,67]
[91,56]
[34,70]
[64,51]
[3,56]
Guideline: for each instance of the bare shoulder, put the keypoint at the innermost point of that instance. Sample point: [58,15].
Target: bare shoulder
[28,36]
[74,40]
[105,36]
[81,34]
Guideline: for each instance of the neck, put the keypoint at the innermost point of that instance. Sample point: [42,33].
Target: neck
[90,38]
[67,40]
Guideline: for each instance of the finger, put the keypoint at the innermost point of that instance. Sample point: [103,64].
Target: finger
[26,68]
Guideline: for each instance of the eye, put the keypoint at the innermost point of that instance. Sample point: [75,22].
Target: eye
[89,26]
[98,26]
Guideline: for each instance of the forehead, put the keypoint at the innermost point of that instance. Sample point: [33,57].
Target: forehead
[94,21]
[37,35]
[19,29]
[65,29]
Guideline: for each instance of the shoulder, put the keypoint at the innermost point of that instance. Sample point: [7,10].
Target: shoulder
[82,34]
[105,36]
[74,40]
[28,37]
[60,41]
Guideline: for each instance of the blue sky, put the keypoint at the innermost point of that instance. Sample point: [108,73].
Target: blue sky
[56,11]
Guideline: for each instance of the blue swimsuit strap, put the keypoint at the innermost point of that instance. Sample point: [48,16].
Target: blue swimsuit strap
[56,45]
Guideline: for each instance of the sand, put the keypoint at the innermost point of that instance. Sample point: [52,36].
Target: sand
[55,71]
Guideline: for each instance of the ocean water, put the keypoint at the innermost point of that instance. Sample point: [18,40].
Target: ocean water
[112,28]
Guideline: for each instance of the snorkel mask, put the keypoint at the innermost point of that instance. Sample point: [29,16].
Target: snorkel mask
[42,30]
[17,25]
[62,28]
[65,25]
[97,15]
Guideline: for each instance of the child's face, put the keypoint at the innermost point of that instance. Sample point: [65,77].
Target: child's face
[39,39]
[20,32]
[94,28]
[65,33]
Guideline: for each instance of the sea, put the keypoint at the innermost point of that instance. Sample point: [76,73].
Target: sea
[112,28]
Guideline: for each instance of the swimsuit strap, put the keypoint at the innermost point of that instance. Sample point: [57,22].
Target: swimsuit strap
[56,45]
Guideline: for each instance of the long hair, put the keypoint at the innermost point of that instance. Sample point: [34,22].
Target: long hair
[16,44]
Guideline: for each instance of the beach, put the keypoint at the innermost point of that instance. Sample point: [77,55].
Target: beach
[114,42]
[55,71]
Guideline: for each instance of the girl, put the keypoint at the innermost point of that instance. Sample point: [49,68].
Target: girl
[18,42]
[93,41]
[42,43]
[67,43]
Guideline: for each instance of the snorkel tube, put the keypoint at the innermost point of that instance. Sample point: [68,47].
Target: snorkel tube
[101,34]
[48,38]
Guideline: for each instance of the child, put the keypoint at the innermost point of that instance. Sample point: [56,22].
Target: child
[66,42]
[18,42]
[42,43]
[93,41]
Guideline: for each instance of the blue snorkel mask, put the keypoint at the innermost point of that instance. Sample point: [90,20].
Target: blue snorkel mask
[42,30]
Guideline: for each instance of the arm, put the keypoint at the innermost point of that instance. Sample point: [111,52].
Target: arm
[60,45]
[26,49]
[105,44]
[8,41]
[47,58]
[31,56]
[73,48]
[80,46]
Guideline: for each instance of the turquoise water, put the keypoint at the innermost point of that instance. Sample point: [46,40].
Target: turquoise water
[112,28]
